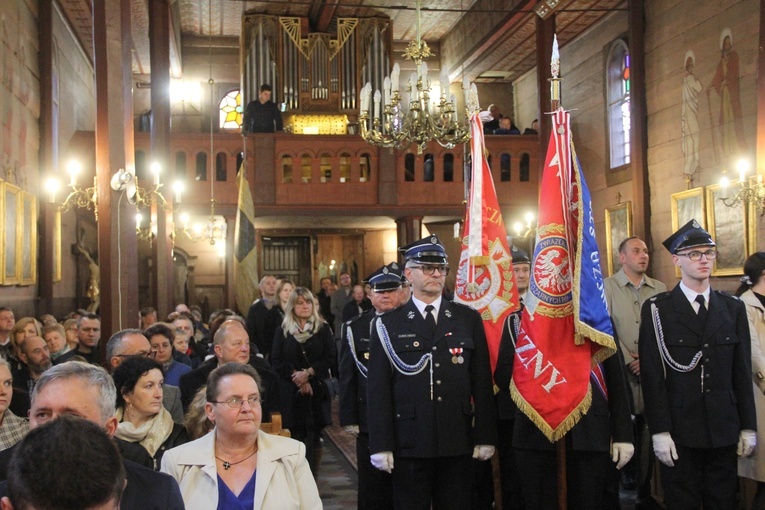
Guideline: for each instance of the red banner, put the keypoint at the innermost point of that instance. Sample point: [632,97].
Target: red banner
[553,352]
[485,279]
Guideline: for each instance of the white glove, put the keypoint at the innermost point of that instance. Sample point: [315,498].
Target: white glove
[621,453]
[664,448]
[485,116]
[352,429]
[747,440]
[483,452]
[383,461]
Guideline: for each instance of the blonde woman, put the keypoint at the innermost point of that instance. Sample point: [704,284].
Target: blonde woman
[303,355]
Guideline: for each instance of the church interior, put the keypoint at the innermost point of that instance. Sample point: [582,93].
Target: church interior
[147,97]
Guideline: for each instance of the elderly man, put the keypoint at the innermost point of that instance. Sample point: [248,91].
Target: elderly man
[231,344]
[87,391]
[258,312]
[430,377]
[132,342]
[358,305]
[374,489]
[696,376]
[35,359]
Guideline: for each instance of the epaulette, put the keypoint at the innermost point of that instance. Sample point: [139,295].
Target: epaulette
[462,305]
[728,295]
[659,296]
[354,319]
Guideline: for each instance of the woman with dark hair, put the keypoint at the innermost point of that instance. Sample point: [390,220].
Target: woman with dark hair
[141,416]
[752,293]
[161,338]
[236,465]
[303,355]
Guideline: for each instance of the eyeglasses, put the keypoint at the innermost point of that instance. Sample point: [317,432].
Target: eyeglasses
[695,255]
[141,354]
[237,403]
[430,270]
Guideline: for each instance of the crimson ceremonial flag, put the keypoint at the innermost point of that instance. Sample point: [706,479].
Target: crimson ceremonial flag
[565,329]
[485,279]
[245,256]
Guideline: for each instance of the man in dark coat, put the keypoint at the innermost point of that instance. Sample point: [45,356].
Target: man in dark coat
[262,115]
[696,376]
[88,392]
[258,313]
[430,379]
[375,489]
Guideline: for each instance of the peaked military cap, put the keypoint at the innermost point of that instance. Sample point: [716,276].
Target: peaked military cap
[689,235]
[520,256]
[428,250]
[388,277]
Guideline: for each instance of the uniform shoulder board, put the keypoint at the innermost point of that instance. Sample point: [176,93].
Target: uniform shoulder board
[724,294]
[659,297]
[461,305]
[354,319]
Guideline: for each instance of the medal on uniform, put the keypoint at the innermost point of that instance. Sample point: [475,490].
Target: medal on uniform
[457,355]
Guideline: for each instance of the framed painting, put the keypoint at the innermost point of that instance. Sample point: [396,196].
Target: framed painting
[728,227]
[686,206]
[27,262]
[11,241]
[618,228]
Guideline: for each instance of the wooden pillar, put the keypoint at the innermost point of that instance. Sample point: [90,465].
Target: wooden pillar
[408,230]
[545,33]
[48,156]
[162,247]
[641,197]
[117,250]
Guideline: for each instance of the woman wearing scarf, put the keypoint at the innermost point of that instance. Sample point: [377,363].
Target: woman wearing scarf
[303,354]
[142,418]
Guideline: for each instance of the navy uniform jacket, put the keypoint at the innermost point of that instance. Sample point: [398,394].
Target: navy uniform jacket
[402,416]
[708,406]
[353,384]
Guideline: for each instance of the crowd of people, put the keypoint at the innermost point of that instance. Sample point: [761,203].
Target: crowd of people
[171,416]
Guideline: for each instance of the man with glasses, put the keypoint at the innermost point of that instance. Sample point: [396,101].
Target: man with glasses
[430,381]
[132,342]
[374,487]
[696,376]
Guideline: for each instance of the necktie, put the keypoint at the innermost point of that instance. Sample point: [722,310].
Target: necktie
[430,319]
[702,308]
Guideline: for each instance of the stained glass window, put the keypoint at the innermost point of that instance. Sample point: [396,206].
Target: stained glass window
[231,110]
[618,88]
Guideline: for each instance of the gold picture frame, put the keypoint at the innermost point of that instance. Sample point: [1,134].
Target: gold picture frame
[728,227]
[11,234]
[686,206]
[618,228]
[27,252]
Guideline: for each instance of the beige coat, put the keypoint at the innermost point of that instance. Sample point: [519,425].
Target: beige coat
[283,480]
[754,467]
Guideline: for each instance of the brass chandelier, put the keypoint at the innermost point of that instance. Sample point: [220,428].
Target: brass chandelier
[393,124]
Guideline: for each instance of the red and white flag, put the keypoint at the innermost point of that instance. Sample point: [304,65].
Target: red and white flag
[485,279]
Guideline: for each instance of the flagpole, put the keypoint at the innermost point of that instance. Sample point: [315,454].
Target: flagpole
[560,444]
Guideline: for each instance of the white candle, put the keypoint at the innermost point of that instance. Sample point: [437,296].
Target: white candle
[386,88]
[444,79]
[424,74]
[377,104]
[395,77]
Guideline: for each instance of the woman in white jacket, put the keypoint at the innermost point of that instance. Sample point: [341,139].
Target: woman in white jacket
[752,293]
[236,466]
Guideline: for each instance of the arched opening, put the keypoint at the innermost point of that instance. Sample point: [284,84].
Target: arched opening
[409,167]
[448,167]
[286,169]
[201,173]
[220,167]
[505,161]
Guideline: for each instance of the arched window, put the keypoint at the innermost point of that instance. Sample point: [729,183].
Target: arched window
[409,167]
[305,167]
[429,168]
[230,110]
[345,165]
[201,174]
[365,168]
[239,160]
[448,167]
[180,165]
[220,167]
[286,169]
[618,94]
[325,170]
[525,163]
[504,167]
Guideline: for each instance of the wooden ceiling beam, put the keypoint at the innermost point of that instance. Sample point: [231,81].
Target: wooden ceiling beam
[322,12]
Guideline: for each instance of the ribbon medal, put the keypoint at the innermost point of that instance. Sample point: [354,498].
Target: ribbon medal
[457,355]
